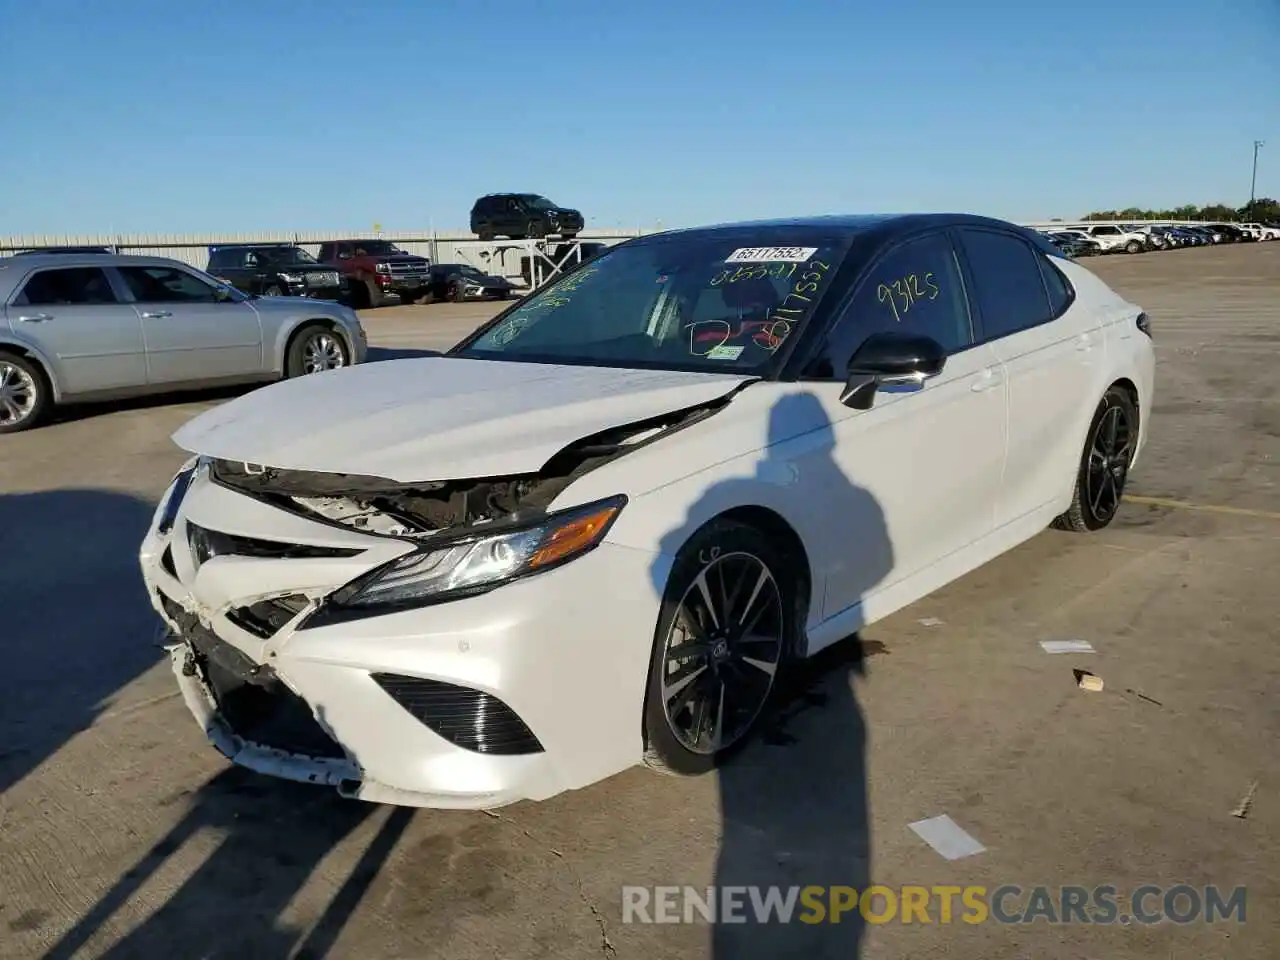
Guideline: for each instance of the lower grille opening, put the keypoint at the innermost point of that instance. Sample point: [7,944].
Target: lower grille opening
[467,718]
[166,562]
[265,618]
[267,712]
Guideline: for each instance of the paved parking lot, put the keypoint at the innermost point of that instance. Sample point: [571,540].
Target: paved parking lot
[123,834]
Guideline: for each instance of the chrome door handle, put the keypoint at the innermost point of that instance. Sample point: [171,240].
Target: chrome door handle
[35,318]
[156,314]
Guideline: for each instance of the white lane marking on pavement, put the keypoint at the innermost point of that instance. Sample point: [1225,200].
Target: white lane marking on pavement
[946,837]
[1067,646]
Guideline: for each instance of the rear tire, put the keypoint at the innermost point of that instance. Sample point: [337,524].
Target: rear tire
[25,395]
[1104,465]
[726,628]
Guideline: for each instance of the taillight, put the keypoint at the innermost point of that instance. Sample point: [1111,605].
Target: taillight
[1144,324]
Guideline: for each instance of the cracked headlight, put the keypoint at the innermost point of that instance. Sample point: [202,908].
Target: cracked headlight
[445,569]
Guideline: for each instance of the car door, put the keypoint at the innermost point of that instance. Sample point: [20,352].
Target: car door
[1053,350]
[191,331]
[75,316]
[931,458]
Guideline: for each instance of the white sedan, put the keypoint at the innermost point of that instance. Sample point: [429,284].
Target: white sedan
[593,533]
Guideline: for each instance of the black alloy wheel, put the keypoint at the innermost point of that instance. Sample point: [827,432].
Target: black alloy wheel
[1104,466]
[728,620]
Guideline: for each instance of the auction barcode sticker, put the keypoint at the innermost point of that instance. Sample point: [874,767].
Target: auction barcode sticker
[771,255]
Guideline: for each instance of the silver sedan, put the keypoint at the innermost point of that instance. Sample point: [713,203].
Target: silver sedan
[94,326]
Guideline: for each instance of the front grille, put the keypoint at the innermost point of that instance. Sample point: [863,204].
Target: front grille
[402,270]
[467,718]
[321,279]
[265,618]
[206,544]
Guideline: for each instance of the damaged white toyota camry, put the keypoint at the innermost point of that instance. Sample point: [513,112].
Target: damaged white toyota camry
[593,533]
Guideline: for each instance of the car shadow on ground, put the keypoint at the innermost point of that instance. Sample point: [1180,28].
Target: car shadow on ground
[794,799]
[75,623]
[274,835]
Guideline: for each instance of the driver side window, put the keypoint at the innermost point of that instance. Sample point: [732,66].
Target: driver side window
[166,285]
[915,287]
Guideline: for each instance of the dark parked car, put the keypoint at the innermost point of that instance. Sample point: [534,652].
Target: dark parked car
[521,216]
[274,270]
[1230,232]
[1074,245]
[461,281]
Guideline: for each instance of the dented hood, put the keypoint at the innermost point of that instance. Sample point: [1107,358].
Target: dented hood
[439,418]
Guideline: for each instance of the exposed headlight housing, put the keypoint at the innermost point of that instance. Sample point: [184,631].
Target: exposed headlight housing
[171,502]
[451,567]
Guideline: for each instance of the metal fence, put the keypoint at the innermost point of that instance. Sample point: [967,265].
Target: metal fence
[194,248]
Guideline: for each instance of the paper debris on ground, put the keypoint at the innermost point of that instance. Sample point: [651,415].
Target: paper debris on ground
[1242,811]
[1088,681]
[1067,646]
[946,837]
[930,622]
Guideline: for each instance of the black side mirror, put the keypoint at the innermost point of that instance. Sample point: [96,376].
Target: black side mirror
[900,361]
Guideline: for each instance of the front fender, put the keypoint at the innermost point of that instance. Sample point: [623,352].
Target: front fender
[279,339]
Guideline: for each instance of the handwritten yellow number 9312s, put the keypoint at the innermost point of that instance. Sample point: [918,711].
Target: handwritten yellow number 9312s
[905,292]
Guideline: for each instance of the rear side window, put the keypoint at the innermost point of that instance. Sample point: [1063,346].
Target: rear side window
[71,285]
[1010,291]
[1060,292]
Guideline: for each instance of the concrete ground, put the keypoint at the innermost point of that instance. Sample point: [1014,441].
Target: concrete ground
[123,834]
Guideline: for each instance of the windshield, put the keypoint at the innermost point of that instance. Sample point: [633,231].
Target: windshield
[282,255]
[700,303]
[376,248]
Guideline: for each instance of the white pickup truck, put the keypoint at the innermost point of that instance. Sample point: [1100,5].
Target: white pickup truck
[1114,238]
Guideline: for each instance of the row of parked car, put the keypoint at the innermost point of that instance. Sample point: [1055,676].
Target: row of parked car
[1088,240]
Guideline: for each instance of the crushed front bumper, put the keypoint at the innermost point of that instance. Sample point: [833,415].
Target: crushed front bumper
[520,693]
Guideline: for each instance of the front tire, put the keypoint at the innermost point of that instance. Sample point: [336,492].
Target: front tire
[314,349]
[25,397]
[1133,246]
[1104,465]
[728,621]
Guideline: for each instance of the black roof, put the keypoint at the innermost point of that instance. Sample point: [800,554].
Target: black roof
[872,227]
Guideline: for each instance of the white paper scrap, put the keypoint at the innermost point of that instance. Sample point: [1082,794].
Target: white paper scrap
[946,837]
[1067,646]
[930,622]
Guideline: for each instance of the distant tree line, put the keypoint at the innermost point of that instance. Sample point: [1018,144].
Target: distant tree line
[1262,210]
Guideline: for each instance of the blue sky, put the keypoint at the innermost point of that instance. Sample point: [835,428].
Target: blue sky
[142,116]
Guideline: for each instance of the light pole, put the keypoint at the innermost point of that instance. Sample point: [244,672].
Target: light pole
[1253,184]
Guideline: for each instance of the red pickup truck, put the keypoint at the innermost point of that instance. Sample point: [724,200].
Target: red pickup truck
[377,271]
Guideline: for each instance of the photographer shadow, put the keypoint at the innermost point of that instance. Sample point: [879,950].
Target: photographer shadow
[795,836]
